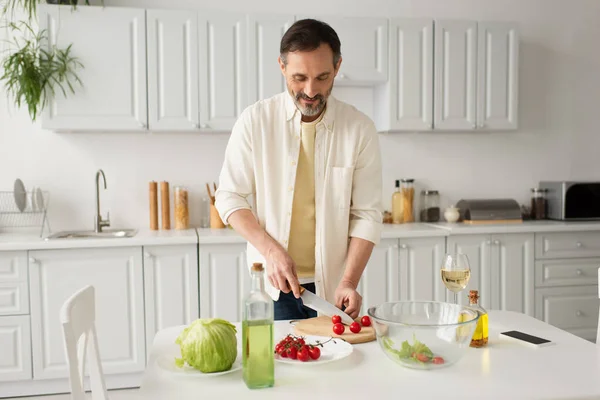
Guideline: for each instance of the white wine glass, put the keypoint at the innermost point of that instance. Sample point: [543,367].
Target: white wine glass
[456,272]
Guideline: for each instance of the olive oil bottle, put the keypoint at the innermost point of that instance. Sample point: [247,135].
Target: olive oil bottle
[480,336]
[258,360]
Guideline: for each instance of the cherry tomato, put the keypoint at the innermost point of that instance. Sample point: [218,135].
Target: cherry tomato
[422,357]
[283,353]
[355,327]
[301,341]
[338,328]
[336,319]
[303,354]
[314,352]
[365,321]
[292,352]
[438,360]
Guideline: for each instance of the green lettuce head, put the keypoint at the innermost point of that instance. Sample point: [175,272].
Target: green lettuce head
[208,344]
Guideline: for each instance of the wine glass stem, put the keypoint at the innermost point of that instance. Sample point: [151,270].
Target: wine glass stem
[455,298]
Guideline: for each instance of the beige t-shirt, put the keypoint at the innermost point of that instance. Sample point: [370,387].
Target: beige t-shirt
[302,231]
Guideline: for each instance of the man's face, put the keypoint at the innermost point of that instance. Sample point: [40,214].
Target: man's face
[309,77]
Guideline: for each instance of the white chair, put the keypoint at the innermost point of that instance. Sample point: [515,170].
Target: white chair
[78,316]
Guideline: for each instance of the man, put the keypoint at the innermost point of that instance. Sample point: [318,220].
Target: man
[313,165]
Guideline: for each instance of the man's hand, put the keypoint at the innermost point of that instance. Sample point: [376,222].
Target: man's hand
[281,270]
[346,295]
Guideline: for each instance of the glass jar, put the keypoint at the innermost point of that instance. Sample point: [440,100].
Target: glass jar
[430,206]
[538,203]
[407,191]
[181,208]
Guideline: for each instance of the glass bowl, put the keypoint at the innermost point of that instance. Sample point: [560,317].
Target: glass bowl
[424,334]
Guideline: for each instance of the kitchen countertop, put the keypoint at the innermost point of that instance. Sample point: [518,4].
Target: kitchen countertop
[146,237]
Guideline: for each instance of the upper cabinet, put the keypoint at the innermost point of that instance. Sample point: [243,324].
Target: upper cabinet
[113,95]
[223,72]
[264,36]
[173,99]
[455,82]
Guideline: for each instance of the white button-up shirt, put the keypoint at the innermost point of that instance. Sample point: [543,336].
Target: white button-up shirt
[261,161]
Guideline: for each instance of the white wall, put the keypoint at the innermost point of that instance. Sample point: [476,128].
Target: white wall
[557,139]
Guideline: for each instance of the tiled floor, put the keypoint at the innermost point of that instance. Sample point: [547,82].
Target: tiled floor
[126,394]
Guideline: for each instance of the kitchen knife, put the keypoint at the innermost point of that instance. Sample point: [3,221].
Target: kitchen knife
[318,304]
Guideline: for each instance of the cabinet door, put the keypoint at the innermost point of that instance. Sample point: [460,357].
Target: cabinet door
[15,347]
[455,75]
[364,46]
[170,287]
[498,75]
[264,38]
[224,280]
[223,72]
[379,282]
[478,250]
[513,273]
[116,274]
[420,263]
[113,95]
[172,70]
[411,74]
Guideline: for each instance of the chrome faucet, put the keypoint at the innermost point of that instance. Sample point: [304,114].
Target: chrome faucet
[100,223]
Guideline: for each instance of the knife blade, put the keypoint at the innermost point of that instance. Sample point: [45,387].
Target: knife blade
[318,304]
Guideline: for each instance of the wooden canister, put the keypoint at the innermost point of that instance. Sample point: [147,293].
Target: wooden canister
[153,192]
[165,206]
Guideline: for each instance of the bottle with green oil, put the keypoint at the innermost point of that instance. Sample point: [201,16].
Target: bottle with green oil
[257,334]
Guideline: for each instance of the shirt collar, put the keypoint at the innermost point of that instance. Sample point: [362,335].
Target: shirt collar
[328,119]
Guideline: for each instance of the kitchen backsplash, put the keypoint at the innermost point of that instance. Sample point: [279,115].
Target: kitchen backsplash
[557,137]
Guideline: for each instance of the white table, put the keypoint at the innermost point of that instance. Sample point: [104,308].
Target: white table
[504,370]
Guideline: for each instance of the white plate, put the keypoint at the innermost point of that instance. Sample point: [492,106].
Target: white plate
[39,200]
[20,195]
[333,350]
[167,363]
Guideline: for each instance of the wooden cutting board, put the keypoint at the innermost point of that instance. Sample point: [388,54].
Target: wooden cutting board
[322,326]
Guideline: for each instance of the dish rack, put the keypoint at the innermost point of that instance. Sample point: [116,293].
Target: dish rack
[33,215]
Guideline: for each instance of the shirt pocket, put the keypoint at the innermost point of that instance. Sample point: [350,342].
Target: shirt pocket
[341,186]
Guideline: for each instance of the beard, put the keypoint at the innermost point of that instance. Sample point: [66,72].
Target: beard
[310,110]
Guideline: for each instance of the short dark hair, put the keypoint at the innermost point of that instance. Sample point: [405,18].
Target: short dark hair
[307,35]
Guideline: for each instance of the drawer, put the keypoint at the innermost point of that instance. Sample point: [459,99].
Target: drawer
[569,308]
[576,271]
[13,266]
[15,348]
[14,298]
[567,245]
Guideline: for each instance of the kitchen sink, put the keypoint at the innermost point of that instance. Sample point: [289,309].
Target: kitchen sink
[105,234]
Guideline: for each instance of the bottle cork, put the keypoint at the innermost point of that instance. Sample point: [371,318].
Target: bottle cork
[153,206]
[165,206]
[257,267]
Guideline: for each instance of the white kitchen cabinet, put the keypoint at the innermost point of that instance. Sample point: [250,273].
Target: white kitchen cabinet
[410,88]
[364,47]
[224,280]
[116,274]
[110,42]
[14,290]
[420,263]
[380,280]
[498,75]
[502,270]
[15,348]
[170,287]
[264,37]
[173,97]
[223,68]
[574,309]
[455,84]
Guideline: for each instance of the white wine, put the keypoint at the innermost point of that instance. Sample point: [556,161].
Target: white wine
[456,280]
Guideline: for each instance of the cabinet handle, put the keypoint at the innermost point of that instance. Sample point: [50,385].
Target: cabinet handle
[474,126]
[496,242]
[579,244]
[204,126]
[579,313]
[579,272]
[403,246]
[148,255]
[488,242]
[33,260]
[142,125]
[342,76]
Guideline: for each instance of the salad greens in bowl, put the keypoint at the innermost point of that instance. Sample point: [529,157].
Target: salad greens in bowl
[423,334]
